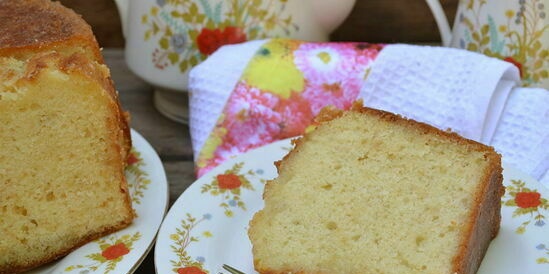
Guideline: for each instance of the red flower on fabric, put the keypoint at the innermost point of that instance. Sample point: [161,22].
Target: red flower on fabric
[209,40]
[115,251]
[296,116]
[528,199]
[514,62]
[132,159]
[190,270]
[228,181]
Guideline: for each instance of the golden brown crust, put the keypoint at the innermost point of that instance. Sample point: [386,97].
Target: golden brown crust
[486,202]
[44,33]
[485,217]
[484,221]
[21,268]
[31,25]
[327,114]
[77,63]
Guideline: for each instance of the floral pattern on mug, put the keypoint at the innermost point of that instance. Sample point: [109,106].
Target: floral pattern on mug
[187,31]
[282,89]
[518,40]
[182,238]
[112,251]
[528,202]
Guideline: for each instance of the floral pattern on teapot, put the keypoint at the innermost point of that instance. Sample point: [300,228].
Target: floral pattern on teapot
[188,31]
[518,40]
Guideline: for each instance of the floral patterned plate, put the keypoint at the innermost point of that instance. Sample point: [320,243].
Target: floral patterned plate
[207,225]
[123,251]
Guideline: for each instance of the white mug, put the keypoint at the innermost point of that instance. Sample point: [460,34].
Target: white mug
[165,39]
[516,31]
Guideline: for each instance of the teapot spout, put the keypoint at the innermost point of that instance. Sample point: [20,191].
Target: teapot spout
[123,6]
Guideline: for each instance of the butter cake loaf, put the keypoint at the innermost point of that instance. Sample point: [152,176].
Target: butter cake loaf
[368,191]
[64,138]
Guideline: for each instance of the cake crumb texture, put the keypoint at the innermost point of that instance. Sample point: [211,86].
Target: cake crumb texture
[64,138]
[371,192]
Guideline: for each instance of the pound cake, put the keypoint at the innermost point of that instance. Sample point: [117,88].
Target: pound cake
[64,139]
[368,191]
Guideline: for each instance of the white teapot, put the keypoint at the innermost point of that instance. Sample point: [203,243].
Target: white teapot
[516,31]
[165,39]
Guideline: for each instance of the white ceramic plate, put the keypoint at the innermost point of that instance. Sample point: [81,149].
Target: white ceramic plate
[122,251]
[207,225]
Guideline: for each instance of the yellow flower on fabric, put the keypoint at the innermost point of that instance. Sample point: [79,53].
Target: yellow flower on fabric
[509,13]
[272,69]
[502,28]
[210,145]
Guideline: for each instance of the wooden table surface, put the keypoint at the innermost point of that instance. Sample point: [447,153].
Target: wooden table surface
[171,140]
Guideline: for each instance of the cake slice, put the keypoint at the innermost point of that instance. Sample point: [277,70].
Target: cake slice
[64,138]
[371,192]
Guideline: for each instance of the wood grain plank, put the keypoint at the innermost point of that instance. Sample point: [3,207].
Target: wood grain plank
[391,21]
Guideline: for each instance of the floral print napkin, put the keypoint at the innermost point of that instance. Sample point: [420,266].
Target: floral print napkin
[252,94]
[281,90]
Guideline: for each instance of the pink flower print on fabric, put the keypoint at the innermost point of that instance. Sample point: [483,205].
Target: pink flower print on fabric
[320,62]
[250,118]
[250,121]
[296,116]
[338,94]
[333,74]
[365,53]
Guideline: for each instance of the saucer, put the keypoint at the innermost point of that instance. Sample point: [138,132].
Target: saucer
[207,226]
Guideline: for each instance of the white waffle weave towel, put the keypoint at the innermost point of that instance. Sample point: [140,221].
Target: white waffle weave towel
[210,85]
[469,93]
[473,95]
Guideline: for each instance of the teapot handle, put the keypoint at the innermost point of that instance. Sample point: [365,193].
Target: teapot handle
[330,14]
[123,6]
[441,20]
